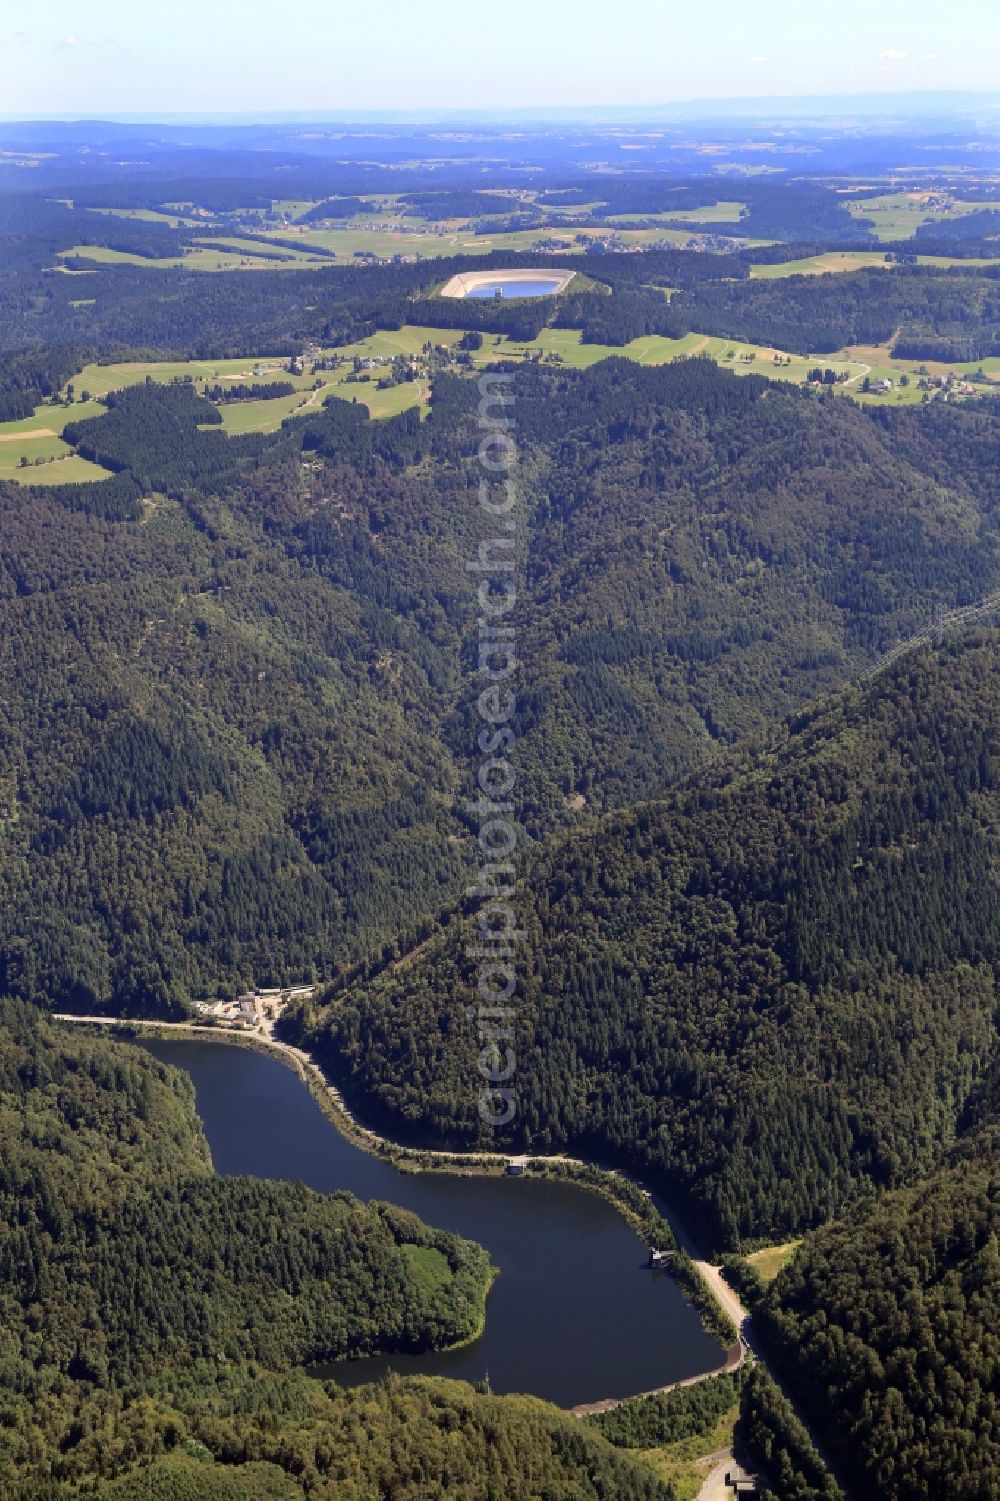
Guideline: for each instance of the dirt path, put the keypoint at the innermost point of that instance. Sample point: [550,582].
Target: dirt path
[30,432]
[314,396]
[865,370]
[713,1487]
[723,1293]
[735,1356]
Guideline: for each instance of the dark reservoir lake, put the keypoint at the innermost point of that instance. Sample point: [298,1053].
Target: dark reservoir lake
[516,288]
[574,1316]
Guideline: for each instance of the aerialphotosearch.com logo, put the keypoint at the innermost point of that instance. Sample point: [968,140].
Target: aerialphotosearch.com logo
[492,807]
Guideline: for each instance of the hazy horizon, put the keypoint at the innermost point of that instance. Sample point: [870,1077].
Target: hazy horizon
[125,61]
[905,104]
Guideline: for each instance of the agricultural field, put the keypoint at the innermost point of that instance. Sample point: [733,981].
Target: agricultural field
[391,401]
[346,244]
[38,438]
[293,208]
[37,448]
[243,255]
[266,416]
[820,265]
[879,365]
[855,362]
[573,210]
[249,255]
[565,344]
[64,468]
[699,218]
[150,216]
[856,260]
[898,216]
[724,212]
[53,418]
[397,236]
[71,470]
[948,261]
[98,380]
[664,236]
[240,245]
[455,239]
[410,339]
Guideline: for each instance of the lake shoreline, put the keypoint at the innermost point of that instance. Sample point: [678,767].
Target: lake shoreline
[631,1200]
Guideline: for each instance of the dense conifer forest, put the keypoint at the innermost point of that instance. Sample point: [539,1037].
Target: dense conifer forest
[886,1326]
[771,990]
[240,663]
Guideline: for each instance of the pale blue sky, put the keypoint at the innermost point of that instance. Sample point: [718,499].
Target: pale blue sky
[115,56]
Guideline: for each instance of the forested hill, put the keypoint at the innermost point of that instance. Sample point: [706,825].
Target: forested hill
[238,698]
[886,1327]
[772,988]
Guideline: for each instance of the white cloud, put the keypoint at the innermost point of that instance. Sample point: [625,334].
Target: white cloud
[892,55]
[931,57]
[757,58]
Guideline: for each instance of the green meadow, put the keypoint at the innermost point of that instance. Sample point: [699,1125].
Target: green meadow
[898,216]
[268,415]
[293,208]
[347,244]
[42,446]
[262,416]
[233,253]
[39,437]
[239,245]
[654,349]
[853,260]
[61,467]
[819,265]
[100,379]
[724,212]
[956,260]
[410,339]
